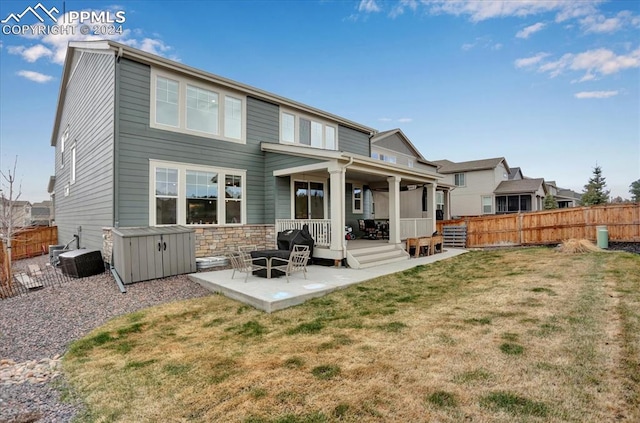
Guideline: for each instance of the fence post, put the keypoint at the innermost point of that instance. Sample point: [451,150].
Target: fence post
[520,228]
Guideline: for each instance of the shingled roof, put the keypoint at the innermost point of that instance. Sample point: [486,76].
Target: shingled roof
[518,186]
[447,166]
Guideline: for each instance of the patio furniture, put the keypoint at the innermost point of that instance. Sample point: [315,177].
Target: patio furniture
[419,243]
[289,238]
[264,259]
[243,262]
[369,227]
[247,248]
[297,262]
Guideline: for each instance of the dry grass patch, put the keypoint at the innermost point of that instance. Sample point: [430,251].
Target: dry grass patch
[421,345]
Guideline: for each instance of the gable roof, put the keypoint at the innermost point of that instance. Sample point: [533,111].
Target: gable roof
[447,166]
[517,186]
[381,136]
[514,171]
[121,50]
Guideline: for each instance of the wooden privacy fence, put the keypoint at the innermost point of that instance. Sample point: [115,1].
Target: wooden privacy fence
[551,226]
[31,242]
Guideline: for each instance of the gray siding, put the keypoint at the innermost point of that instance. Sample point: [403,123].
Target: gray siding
[277,190]
[352,141]
[137,143]
[395,143]
[88,112]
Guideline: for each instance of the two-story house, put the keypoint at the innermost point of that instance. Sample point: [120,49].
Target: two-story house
[490,186]
[141,140]
[19,215]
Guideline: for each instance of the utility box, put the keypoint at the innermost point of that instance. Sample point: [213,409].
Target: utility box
[602,237]
[141,254]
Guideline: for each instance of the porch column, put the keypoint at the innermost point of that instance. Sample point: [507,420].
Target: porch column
[394,209]
[336,185]
[431,194]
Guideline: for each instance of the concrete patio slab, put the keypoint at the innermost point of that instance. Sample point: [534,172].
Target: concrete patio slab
[276,294]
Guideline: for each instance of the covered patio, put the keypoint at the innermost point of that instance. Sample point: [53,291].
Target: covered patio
[276,294]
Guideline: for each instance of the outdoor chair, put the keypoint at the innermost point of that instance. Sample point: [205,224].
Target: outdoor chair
[242,262]
[247,248]
[297,261]
[369,227]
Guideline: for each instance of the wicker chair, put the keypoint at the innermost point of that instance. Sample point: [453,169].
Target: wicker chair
[297,261]
[242,262]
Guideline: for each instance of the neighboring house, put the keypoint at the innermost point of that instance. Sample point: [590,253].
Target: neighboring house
[490,186]
[41,213]
[21,215]
[145,141]
[564,197]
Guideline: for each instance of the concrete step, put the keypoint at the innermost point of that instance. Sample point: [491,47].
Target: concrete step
[374,256]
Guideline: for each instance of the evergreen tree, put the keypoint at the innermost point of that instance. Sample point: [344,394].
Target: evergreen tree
[594,192]
[550,202]
[634,189]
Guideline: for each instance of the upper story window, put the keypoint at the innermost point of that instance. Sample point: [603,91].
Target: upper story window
[183,105]
[63,141]
[459,179]
[410,163]
[384,157]
[307,131]
[73,164]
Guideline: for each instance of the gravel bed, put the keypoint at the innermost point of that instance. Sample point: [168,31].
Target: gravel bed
[630,247]
[41,324]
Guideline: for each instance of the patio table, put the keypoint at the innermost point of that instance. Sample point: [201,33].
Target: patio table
[268,256]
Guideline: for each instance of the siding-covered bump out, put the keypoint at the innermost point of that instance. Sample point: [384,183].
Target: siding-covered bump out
[138,142]
[352,141]
[88,113]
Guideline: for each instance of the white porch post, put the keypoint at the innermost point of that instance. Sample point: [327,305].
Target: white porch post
[336,183]
[394,209]
[431,194]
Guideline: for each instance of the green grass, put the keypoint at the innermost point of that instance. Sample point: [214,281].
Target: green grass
[511,349]
[443,399]
[514,404]
[326,372]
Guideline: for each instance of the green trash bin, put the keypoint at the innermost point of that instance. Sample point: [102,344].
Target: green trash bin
[602,237]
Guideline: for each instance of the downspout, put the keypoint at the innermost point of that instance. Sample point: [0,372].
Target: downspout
[344,210]
[116,137]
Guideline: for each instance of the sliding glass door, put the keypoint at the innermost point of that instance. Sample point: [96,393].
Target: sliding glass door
[309,200]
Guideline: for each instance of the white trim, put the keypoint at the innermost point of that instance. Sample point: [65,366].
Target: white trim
[73,174]
[482,198]
[325,198]
[312,119]
[355,210]
[183,82]
[181,218]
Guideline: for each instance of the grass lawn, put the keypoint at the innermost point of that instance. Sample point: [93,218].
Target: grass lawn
[526,335]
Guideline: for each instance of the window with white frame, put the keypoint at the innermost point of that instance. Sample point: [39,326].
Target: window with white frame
[410,163]
[439,200]
[459,179]
[63,141]
[197,108]
[307,131]
[384,157]
[487,204]
[188,194]
[73,164]
[357,199]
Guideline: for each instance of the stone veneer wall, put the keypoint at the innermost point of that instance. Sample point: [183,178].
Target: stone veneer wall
[214,241]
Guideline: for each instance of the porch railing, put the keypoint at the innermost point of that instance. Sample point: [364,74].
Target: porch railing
[320,229]
[412,228]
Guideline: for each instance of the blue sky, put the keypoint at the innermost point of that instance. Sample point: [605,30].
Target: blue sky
[552,86]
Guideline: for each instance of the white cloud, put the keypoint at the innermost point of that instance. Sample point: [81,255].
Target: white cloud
[530,61]
[531,29]
[35,76]
[482,42]
[600,24]
[385,119]
[595,94]
[368,6]
[405,120]
[598,62]
[482,10]
[31,54]
[399,8]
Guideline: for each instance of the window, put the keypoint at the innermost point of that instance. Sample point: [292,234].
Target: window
[487,205]
[187,194]
[202,110]
[439,200]
[306,131]
[309,201]
[513,203]
[202,197]
[63,141]
[375,155]
[410,163]
[459,180]
[287,127]
[425,199]
[384,157]
[357,198]
[167,102]
[182,105]
[73,164]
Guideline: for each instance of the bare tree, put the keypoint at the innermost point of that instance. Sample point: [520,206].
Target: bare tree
[9,218]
